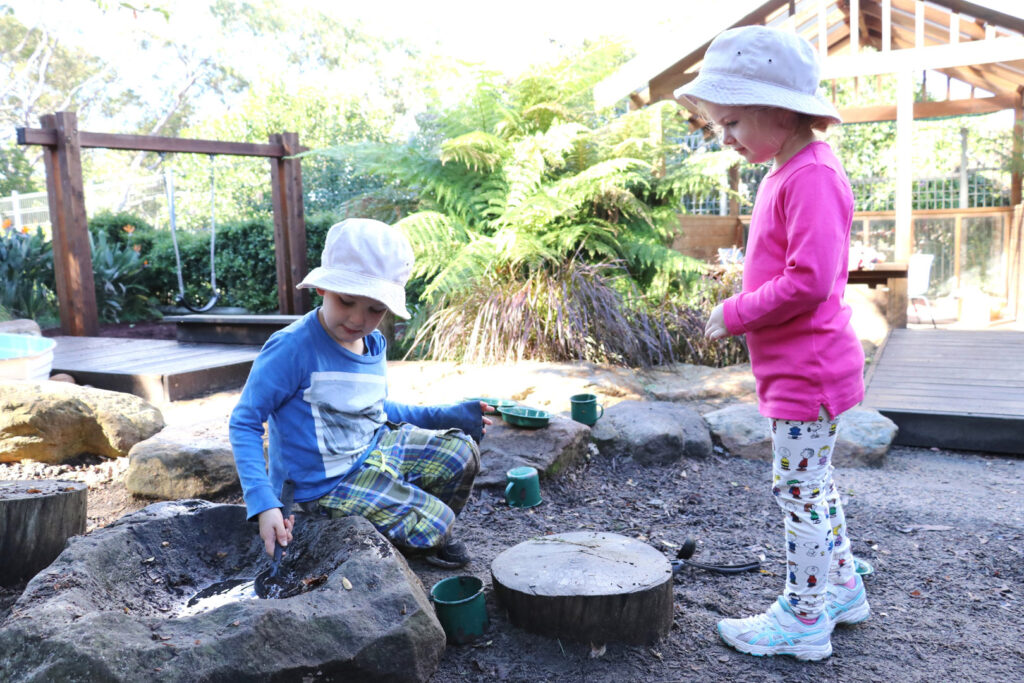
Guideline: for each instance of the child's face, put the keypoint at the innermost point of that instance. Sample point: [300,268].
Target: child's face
[756,133]
[349,318]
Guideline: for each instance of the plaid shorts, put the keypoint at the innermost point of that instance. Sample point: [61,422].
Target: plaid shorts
[411,486]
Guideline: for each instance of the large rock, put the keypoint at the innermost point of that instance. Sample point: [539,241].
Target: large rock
[864,435]
[550,449]
[20,326]
[684,382]
[170,466]
[114,605]
[54,421]
[652,432]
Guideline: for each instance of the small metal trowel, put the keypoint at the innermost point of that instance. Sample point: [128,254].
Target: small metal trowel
[686,552]
[269,582]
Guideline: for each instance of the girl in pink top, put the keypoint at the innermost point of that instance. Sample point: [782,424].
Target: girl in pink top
[758,85]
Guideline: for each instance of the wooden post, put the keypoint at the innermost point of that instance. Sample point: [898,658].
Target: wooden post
[289,226]
[1017,160]
[72,255]
[904,161]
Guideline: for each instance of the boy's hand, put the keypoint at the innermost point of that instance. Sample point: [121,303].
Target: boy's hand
[715,328]
[274,527]
[484,408]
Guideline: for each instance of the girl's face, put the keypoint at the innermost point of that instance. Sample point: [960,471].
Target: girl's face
[348,318]
[757,133]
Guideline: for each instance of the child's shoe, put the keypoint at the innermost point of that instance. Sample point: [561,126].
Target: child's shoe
[779,632]
[451,555]
[847,605]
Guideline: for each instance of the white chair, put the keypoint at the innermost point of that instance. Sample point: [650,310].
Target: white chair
[919,272]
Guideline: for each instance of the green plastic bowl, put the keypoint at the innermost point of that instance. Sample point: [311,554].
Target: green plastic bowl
[496,403]
[521,416]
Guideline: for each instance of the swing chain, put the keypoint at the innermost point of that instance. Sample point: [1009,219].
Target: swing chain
[169,188]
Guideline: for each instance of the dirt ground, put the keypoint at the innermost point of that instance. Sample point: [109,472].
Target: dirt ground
[944,531]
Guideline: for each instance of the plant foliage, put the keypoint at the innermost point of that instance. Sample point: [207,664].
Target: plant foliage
[542,228]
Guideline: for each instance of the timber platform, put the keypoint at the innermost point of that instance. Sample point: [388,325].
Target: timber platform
[951,389]
[158,370]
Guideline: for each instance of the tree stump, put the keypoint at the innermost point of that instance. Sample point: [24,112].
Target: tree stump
[36,520]
[586,586]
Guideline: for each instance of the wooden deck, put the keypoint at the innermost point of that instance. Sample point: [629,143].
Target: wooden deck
[958,389]
[157,370]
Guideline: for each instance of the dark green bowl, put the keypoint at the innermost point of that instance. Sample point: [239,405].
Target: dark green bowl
[521,416]
[496,403]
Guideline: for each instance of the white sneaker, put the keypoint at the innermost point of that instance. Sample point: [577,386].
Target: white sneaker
[847,605]
[779,632]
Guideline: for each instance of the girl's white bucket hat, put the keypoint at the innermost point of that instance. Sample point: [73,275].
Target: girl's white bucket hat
[364,257]
[757,65]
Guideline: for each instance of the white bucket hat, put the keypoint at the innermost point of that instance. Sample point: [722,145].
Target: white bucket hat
[364,257]
[757,65]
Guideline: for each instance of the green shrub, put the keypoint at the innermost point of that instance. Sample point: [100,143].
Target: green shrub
[117,274]
[122,228]
[27,282]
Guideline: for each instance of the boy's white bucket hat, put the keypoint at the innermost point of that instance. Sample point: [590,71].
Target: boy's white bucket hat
[364,257]
[757,65]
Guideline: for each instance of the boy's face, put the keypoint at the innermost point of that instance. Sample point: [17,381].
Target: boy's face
[349,318]
[756,133]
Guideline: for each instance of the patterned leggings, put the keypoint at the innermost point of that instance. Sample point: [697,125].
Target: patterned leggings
[817,546]
[411,486]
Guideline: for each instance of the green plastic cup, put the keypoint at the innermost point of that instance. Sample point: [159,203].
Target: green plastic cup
[585,408]
[459,603]
[523,489]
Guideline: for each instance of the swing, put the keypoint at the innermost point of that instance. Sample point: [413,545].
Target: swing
[169,186]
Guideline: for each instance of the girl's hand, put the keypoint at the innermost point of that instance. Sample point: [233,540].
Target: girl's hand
[715,328]
[274,527]
[484,408]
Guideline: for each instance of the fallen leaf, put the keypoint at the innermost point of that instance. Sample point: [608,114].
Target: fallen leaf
[915,593]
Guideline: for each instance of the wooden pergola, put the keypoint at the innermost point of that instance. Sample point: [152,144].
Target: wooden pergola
[72,257]
[964,41]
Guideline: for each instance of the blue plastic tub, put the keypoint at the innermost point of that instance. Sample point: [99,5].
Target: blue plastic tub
[24,356]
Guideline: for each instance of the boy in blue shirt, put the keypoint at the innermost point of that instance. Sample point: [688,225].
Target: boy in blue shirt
[320,385]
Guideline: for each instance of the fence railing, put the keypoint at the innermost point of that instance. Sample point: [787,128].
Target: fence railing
[982,187]
[144,197]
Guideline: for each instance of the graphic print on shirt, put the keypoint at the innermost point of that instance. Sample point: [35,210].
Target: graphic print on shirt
[348,408]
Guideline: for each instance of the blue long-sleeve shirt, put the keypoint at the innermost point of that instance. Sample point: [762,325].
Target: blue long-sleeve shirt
[324,407]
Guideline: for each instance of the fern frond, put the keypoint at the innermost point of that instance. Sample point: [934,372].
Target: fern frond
[477,150]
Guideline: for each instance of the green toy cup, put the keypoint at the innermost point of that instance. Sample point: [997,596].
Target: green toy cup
[523,490]
[585,408]
[459,603]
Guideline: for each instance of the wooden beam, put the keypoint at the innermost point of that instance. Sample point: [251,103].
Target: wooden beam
[919,58]
[72,254]
[665,83]
[854,26]
[151,143]
[986,14]
[886,25]
[289,226]
[931,110]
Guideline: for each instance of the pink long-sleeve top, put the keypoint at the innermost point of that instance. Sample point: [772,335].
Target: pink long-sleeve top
[803,350]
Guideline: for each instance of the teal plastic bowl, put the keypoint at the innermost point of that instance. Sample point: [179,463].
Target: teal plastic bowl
[496,403]
[522,416]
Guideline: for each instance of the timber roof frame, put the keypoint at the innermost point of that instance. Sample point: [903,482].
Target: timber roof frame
[967,42]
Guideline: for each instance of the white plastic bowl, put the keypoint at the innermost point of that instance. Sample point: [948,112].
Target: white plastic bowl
[24,356]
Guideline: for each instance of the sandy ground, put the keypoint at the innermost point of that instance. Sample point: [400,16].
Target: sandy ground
[944,531]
